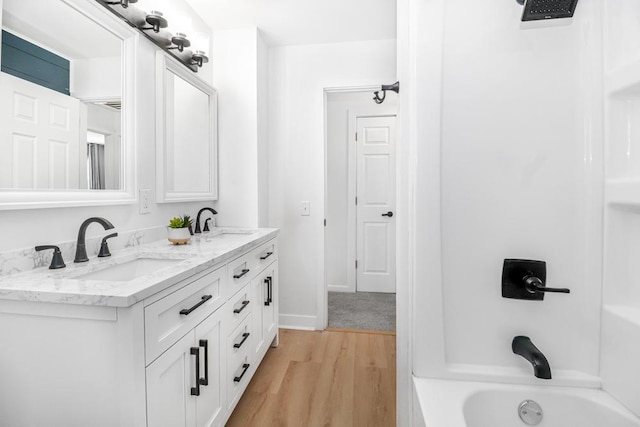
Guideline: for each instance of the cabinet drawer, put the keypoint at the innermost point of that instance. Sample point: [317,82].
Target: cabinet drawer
[239,345]
[264,255]
[240,271]
[239,306]
[169,318]
[239,375]
[239,341]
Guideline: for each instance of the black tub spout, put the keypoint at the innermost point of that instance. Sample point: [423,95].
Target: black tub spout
[524,347]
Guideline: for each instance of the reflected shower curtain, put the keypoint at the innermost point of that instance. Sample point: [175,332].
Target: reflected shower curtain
[95,166]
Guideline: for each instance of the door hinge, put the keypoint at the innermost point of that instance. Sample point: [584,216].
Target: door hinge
[325,222]
[356,264]
[356,136]
[356,201]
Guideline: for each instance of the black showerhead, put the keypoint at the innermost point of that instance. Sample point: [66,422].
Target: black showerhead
[535,10]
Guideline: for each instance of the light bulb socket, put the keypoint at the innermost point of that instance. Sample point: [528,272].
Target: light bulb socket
[156,20]
[199,58]
[181,41]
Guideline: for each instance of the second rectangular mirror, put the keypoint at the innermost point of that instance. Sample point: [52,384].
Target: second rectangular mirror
[186,132]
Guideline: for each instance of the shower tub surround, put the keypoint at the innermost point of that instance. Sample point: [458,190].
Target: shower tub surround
[156,334]
[470,404]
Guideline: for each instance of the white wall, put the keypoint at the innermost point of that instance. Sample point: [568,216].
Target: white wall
[338,234]
[298,76]
[96,78]
[520,176]
[239,60]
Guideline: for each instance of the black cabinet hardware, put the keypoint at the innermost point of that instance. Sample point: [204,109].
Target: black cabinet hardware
[245,368]
[265,256]
[239,310]
[244,271]
[267,281]
[187,311]
[56,261]
[244,338]
[389,214]
[205,345]
[195,391]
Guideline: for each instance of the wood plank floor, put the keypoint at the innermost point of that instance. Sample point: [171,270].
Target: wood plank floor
[324,379]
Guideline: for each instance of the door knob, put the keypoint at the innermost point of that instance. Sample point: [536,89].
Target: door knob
[389,214]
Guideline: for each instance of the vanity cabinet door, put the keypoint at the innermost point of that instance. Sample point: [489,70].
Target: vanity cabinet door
[170,379]
[270,311]
[265,317]
[210,408]
[259,290]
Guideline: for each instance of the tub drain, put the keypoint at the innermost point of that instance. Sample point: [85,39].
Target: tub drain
[530,412]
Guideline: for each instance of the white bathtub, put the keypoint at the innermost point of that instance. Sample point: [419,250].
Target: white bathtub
[468,404]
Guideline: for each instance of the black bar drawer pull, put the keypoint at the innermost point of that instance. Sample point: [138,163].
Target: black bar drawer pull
[205,344]
[245,368]
[239,310]
[265,256]
[188,311]
[244,271]
[195,391]
[244,338]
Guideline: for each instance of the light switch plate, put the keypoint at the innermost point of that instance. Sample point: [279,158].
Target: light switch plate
[305,208]
[145,201]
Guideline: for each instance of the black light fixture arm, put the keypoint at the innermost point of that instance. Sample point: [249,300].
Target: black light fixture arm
[384,88]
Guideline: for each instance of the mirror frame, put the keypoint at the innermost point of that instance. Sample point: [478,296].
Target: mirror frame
[165,64]
[34,199]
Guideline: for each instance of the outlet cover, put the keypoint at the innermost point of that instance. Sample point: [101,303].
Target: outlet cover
[145,201]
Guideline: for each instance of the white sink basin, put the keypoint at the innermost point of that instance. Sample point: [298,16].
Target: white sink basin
[129,270]
[230,232]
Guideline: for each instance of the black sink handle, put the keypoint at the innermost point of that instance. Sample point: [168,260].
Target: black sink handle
[534,285]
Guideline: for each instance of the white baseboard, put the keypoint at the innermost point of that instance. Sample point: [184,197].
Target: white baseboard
[339,288]
[294,321]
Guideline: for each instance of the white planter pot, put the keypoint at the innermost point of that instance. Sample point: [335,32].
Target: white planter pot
[178,236]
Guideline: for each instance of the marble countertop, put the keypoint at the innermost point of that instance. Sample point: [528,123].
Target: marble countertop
[62,286]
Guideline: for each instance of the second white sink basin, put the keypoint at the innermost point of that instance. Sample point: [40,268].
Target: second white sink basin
[129,270]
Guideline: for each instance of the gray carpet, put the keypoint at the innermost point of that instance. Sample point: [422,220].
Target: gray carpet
[362,310]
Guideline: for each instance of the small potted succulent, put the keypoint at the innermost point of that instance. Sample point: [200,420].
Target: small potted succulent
[178,229]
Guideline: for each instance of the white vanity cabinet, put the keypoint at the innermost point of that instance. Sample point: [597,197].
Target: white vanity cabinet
[180,357]
[200,378]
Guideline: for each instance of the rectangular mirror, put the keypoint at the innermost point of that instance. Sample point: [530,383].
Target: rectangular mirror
[66,105]
[186,126]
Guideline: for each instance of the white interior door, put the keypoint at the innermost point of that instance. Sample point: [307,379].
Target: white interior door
[39,137]
[375,204]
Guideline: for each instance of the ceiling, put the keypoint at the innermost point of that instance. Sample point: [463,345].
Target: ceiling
[294,22]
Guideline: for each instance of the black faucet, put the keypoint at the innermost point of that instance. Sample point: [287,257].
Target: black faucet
[81,249]
[524,347]
[213,211]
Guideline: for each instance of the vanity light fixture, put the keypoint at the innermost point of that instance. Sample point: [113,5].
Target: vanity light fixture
[155,21]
